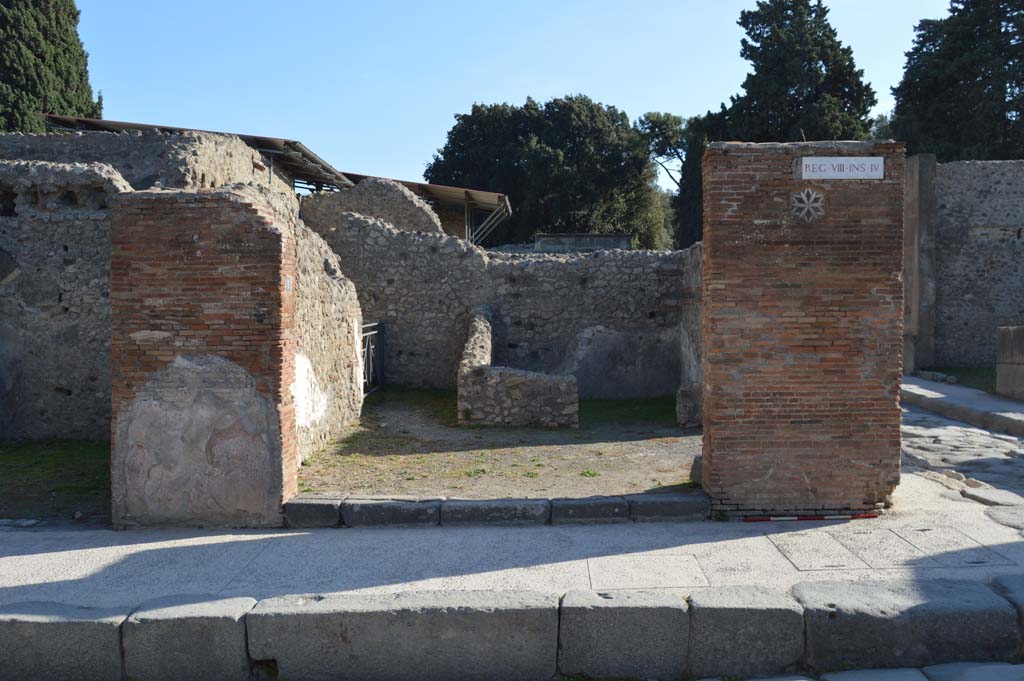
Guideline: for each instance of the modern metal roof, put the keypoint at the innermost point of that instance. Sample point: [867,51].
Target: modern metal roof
[448,196]
[303,165]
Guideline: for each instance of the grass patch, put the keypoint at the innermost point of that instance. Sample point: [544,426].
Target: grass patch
[441,404]
[589,473]
[54,479]
[641,411]
[980,378]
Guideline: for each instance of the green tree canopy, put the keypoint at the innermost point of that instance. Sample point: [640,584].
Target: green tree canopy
[804,85]
[43,67]
[569,165]
[962,92]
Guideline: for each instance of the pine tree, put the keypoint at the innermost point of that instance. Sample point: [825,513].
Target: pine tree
[43,66]
[962,92]
[804,85]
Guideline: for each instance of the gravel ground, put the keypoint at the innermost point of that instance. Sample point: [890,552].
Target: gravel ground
[406,444]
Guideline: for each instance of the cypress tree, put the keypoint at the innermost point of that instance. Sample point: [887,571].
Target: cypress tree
[43,66]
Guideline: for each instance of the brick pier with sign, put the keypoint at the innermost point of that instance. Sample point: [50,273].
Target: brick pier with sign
[802,326]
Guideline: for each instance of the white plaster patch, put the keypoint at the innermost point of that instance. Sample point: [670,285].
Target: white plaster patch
[148,335]
[310,400]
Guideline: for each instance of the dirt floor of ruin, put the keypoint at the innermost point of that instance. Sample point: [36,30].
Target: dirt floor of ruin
[407,443]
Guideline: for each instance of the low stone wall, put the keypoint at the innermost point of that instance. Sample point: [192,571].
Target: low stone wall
[234,348]
[1010,362]
[379,198]
[979,253]
[613,319]
[186,160]
[55,299]
[495,395]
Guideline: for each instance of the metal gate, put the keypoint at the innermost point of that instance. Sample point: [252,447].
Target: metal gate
[372,357]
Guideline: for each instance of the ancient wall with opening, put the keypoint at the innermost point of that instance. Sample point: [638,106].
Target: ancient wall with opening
[613,319]
[802,333]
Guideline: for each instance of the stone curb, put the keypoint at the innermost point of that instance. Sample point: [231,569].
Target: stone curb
[356,511]
[1003,423]
[303,512]
[589,510]
[375,512]
[749,631]
[181,638]
[495,512]
[417,635]
[675,507]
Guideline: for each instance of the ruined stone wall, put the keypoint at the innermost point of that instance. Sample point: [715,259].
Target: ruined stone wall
[377,197]
[979,252]
[234,349]
[54,299]
[187,160]
[328,387]
[802,332]
[503,396]
[611,318]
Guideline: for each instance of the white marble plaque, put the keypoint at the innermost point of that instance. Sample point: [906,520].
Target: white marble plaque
[842,167]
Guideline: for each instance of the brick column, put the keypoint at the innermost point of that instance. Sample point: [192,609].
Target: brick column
[802,330]
[203,348]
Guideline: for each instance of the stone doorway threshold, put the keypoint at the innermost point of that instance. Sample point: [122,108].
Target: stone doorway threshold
[362,511]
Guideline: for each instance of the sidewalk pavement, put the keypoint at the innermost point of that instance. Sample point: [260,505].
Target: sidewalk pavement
[972,406]
[931,533]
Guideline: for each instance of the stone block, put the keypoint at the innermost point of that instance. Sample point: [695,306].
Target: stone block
[187,637]
[54,641]
[904,623]
[992,497]
[589,510]
[466,635]
[1010,345]
[974,671]
[1010,380]
[495,511]
[744,631]
[628,634]
[654,506]
[904,674]
[312,512]
[369,512]
[1011,516]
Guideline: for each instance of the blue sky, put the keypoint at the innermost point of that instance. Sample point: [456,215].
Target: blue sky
[372,87]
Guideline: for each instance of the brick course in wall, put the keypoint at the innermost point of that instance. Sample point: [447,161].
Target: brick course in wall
[802,332]
[201,283]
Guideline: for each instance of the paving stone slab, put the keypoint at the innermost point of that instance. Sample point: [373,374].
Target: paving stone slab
[471,635]
[992,497]
[179,638]
[312,512]
[903,674]
[589,510]
[60,642]
[645,572]
[495,512]
[652,507]
[1011,516]
[904,623]
[623,635]
[744,631]
[974,671]
[369,512]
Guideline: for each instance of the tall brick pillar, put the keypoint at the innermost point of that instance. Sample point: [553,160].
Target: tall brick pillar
[802,325]
[203,354]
